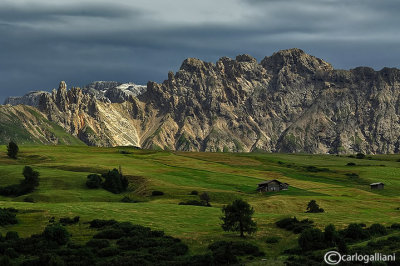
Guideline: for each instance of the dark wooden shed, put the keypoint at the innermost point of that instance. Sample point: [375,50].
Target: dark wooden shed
[378,185]
[272,185]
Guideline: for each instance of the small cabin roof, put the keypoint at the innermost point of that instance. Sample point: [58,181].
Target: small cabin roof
[269,181]
[375,184]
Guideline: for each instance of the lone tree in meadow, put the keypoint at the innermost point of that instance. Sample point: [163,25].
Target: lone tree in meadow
[238,217]
[12,150]
[314,207]
[206,198]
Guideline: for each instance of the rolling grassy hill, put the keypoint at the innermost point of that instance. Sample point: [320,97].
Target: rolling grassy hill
[328,179]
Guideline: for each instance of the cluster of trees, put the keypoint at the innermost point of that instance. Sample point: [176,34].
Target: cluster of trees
[112,181]
[27,185]
[114,243]
[312,240]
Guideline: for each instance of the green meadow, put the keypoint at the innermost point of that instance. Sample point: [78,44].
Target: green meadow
[342,190]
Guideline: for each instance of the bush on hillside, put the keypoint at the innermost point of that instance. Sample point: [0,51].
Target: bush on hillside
[294,225]
[360,155]
[272,240]
[194,203]
[114,181]
[56,233]
[395,226]
[7,216]
[377,229]
[313,207]
[311,239]
[68,221]
[355,232]
[157,193]
[97,223]
[93,181]
[194,192]
[26,186]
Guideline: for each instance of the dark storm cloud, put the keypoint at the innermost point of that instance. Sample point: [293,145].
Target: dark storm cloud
[82,41]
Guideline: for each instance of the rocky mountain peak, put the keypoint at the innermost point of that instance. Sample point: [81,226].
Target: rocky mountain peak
[296,60]
[246,58]
[195,65]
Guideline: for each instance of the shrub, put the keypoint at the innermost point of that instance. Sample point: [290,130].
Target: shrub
[360,155]
[56,233]
[10,252]
[272,240]
[194,192]
[108,252]
[7,216]
[98,243]
[127,199]
[29,199]
[292,224]
[355,232]
[313,207]
[351,164]
[67,220]
[331,236]
[110,234]
[311,239]
[222,253]
[12,235]
[12,149]
[93,181]
[352,175]
[377,229]
[157,193]
[26,186]
[193,202]
[395,226]
[101,223]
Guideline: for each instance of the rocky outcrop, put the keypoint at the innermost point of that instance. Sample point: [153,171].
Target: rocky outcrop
[289,102]
[31,99]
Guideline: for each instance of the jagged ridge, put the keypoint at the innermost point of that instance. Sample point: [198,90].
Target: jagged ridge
[289,102]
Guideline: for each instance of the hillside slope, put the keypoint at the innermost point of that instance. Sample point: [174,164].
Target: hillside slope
[25,125]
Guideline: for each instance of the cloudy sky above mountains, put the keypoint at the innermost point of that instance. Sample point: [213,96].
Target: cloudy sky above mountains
[43,41]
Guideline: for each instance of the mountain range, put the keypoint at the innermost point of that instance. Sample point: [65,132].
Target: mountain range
[289,102]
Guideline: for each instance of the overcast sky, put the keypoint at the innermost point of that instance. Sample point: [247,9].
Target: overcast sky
[79,41]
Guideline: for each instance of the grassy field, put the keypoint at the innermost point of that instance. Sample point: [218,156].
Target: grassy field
[225,176]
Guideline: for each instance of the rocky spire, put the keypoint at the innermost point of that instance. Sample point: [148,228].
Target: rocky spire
[61,98]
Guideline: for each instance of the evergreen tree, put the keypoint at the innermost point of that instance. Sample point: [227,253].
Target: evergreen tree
[238,217]
[12,150]
[115,182]
[313,207]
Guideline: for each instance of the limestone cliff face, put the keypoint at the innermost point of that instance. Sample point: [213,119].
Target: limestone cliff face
[289,102]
